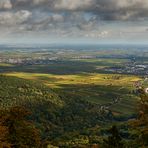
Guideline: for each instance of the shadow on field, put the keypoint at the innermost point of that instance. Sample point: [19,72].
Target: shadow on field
[59,67]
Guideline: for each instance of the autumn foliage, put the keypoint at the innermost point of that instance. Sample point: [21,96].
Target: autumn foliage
[16,131]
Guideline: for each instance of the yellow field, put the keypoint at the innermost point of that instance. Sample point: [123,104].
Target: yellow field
[96,79]
[5,65]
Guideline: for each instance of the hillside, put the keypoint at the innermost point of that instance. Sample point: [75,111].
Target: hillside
[63,117]
[95,88]
[15,91]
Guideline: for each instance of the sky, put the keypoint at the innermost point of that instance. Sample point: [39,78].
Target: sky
[74,21]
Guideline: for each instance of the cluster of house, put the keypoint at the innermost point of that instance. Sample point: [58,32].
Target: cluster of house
[146,90]
[130,69]
[139,85]
[39,60]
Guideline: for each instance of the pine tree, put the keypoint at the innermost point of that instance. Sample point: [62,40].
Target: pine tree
[114,140]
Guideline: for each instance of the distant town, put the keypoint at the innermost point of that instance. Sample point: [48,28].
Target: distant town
[130,67]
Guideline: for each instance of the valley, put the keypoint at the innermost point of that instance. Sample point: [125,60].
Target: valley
[74,95]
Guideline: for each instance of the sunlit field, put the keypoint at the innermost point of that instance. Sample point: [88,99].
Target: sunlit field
[97,88]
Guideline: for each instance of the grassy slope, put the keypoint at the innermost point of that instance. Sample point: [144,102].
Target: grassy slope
[96,88]
[15,91]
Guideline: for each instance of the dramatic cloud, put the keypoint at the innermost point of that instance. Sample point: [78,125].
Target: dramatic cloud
[73,18]
[105,9]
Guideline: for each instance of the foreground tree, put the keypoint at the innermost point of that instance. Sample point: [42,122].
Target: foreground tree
[20,132]
[141,123]
[114,140]
[3,137]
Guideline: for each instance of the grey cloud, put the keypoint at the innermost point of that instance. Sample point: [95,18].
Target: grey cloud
[41,21]
[121,9]
[68,17]
[54,5]
[105,9]
[33,4]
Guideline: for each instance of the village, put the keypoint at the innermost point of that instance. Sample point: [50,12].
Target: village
[130,68]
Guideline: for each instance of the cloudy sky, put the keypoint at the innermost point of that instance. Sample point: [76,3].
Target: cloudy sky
[68,21]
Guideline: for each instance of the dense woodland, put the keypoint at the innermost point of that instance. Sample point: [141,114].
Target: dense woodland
[32,115]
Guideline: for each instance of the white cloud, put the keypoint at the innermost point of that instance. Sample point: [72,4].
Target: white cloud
[73,4]
[5,4]
[57,17]
[13,18]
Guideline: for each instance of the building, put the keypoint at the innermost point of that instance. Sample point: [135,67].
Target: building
[146,90]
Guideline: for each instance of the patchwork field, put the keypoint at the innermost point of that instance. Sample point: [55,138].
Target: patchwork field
[96,88]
